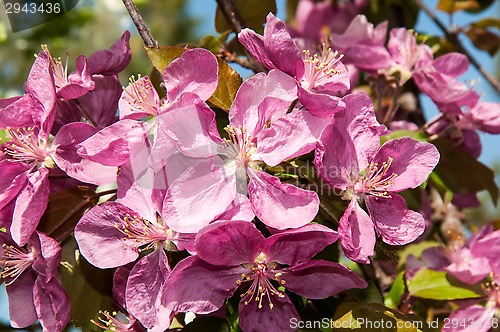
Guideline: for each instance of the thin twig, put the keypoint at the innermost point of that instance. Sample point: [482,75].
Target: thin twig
[143,29]
[237,23]
[453,38]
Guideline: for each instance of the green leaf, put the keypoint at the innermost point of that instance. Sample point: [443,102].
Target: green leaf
[369,317]
[393,298]
[452,6]
[3,230]
[450,170]
[253,12]
[162,56]
[3,136]
[418,135]
[88,288]
[65,209]
[484,39]
[210,43]
[489,22]
[435,285]
[415,250]
[229,82]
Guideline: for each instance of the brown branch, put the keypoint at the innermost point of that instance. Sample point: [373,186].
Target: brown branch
[453,38]
[237,23]
[141,26]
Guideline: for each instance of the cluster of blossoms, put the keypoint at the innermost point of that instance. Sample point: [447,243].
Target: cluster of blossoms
[243,227]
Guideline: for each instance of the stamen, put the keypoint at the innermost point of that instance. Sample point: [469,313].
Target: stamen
[110,322]
[26,146]
[15,261]
[375,180]
[144,234]
[319,69]
[142,95]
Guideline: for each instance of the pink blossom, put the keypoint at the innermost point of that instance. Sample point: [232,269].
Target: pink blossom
[233,254]
[319,74]
[259,134]
[366,172]
[33,288]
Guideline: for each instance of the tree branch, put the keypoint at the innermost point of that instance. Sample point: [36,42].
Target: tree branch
[237,23]
[453,38]
[140,24]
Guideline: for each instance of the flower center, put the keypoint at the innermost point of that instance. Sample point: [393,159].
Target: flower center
[376,180]
[15,261]
[111,323]
[26,146]
[320,68]
[142,96]
[144,233]
[240,147]
[261,287]
[60,71]
[492,291]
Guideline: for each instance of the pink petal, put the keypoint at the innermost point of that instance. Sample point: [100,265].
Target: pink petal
[79,82]
[396,224]
[475,318]
[30,206]
[239,209]
[279,45]
[228,243]
[452,64]
[413,161]
[21,308]
[120,278]
[254,43]
[99,239]
[139,99]
[145,200]
[320,104]
[192,126]
[361,124]
[488,116]
[275,145]
[194,285]
[298,245]
[195,71]
[356,233]
[116,144]
[113,60]
[144,288]
[14,176]
[335,157]
[52,305]
[67,158]
[40,87]
[255,319]
[47,262]
[319,279]
[199,195]
[102,102]
[261,98]
[281,205]
[15,112]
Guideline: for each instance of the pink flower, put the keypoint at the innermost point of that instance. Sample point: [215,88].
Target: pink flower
[319,74]
[31,153]
[233,254]
[188,86]
[363,45]
[259,134]
[31,277]
[350,159]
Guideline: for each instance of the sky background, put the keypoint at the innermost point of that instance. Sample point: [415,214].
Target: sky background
[204,11]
